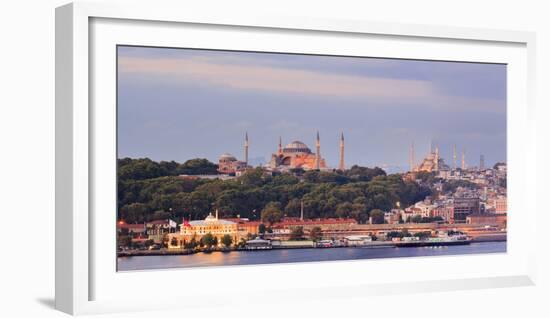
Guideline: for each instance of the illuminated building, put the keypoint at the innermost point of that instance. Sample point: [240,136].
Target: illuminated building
[298,155]
[197,229]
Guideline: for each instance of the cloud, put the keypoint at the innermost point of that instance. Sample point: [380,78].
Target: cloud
[276,79]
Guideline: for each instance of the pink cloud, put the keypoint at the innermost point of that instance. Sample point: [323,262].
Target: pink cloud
[276,79]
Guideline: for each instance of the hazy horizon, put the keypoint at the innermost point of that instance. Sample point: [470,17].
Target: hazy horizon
[180,104]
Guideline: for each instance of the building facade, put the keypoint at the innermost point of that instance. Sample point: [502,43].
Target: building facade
[197,229]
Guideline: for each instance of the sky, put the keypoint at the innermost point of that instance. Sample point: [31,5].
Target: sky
[178,104]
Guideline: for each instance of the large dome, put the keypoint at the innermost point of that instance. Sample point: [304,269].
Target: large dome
[296,146]
[228,157]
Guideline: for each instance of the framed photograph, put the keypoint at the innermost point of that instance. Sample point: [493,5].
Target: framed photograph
[203,150]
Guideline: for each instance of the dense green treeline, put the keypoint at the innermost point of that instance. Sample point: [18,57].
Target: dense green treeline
[148,190]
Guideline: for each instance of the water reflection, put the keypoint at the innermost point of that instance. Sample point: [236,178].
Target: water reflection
[298,255]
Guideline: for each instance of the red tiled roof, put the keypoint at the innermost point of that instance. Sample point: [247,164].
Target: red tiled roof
[297,221]
[130,226]
[158,222]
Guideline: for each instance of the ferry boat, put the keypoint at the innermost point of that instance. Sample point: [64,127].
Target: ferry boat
[434,241]
[258,244]
[325,243]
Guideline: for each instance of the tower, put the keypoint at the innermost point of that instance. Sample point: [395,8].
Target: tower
[436,160]
[246,148]
[318,152]
[302,210]
[341,165]
[454,157]
[481,163]
[463,163]
[411,157]
[280,148]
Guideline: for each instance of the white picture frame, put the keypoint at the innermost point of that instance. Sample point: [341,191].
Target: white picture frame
[78,252]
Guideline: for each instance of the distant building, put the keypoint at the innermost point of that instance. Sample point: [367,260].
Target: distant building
[465,206]
[433,163]
[297,155]
[287,224]
[228,164]
[445,212]
[392,217]
[498,204]
[487,219]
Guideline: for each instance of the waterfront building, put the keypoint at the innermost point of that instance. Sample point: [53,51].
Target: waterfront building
[286,225]
[245,226]
[197,229]
[445,212]
[464,206]
[497,204]
[392,217]
[131,228]
[499,220]
[137,232]
[158,228]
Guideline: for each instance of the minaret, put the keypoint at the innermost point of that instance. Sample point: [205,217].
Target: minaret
[302,210]
[341,165]
[246,149]
[411,157]
[436,167]
[280,148]
[318,154]
[481,163]
[454,157]
[463,163]
[216,214]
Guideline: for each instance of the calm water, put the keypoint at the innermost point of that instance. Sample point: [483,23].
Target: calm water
[298,255]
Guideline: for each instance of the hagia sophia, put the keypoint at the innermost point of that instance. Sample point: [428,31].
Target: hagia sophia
[295,155]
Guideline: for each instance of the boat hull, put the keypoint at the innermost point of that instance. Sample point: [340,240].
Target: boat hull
[433,243]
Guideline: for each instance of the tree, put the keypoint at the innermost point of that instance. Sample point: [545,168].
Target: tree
[192,243]
[198,166]
[297,233]
[134,213]
[416,219]
[377,216]
[174,241]
[261,228]
[272,213]
[208,240]
[423,235]
[124,241]
[254,177]
[165,240]
[316,233]
[227,240]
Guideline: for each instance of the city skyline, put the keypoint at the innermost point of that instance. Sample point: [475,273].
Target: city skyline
[179,104]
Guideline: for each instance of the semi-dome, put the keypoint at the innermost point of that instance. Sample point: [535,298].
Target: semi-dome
[296,146]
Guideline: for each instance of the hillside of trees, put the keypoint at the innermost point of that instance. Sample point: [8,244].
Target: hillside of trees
[149,190]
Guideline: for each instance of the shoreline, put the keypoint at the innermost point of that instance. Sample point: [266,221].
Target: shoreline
[382,244]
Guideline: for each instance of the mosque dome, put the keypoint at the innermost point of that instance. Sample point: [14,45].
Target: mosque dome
[227,157]
[296,146]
